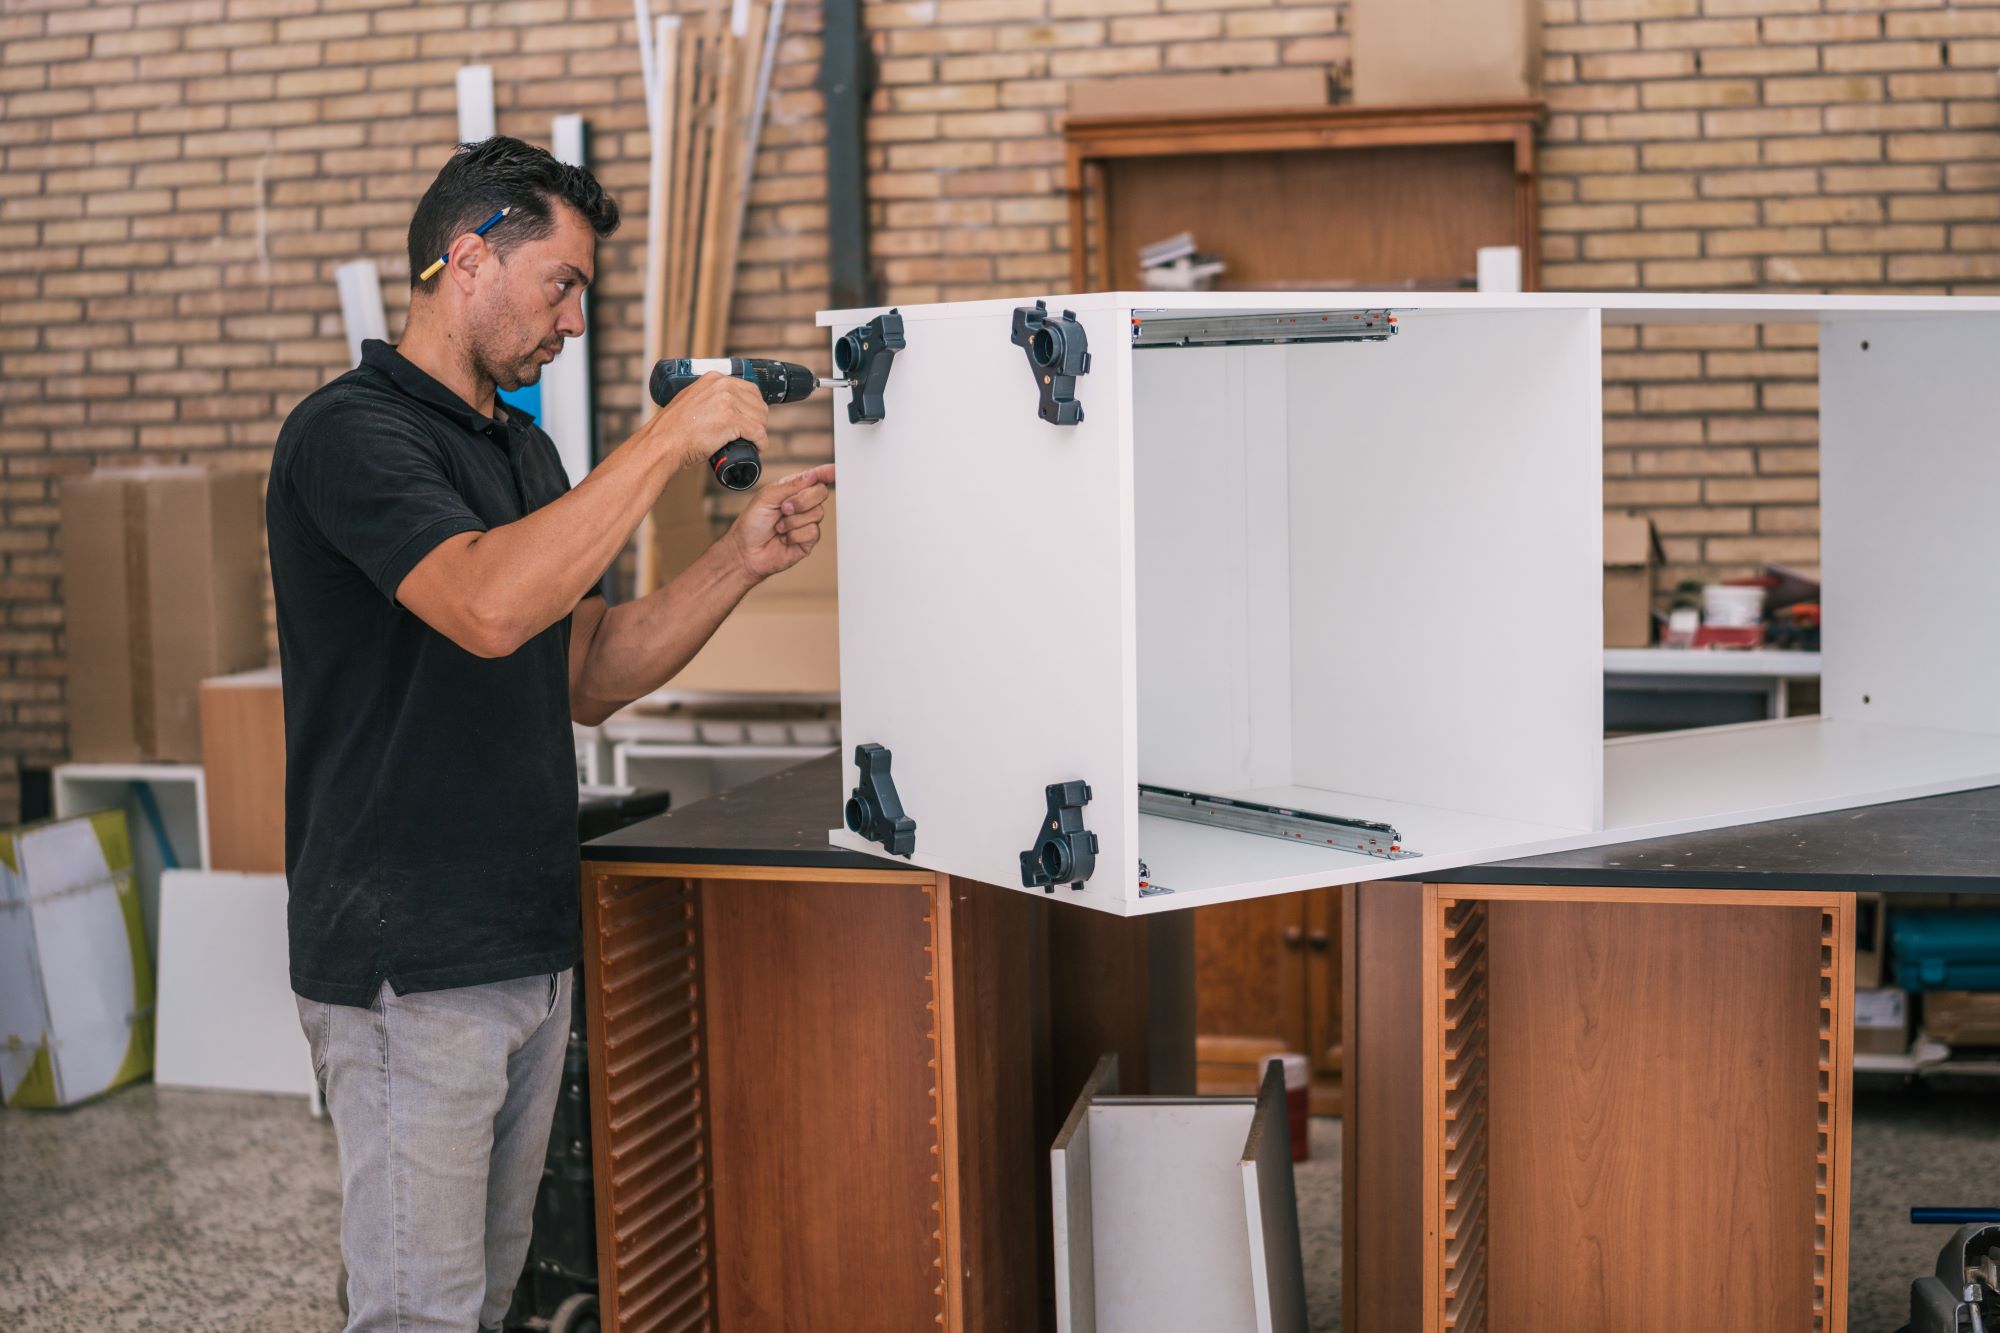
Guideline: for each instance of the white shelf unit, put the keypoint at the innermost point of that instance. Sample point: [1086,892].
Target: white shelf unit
[1364,580]
[181,792]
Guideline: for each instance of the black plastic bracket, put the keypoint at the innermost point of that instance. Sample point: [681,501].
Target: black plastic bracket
[865,355]
[874,810]
[1065,852]
[1058,351]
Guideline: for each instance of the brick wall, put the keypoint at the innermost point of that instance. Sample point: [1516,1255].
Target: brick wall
[181,176]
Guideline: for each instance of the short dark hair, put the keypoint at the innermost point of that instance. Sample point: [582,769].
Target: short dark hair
[483,178]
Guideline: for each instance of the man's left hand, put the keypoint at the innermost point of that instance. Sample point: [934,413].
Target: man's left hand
[781,526]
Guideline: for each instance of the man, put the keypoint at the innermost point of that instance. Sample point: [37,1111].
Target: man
[439,629]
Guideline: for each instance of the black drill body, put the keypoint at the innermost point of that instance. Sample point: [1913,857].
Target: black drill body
[736,465]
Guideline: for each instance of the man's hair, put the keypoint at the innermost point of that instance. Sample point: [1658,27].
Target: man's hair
[483,178]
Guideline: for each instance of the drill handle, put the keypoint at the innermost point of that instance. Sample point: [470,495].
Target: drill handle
[736,465]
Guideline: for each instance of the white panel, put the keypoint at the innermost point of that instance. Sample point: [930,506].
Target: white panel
[1271,1213]
[1447,591]
[1909,489]
[986,627]
[1069,1161]
[566,380]
[1167,1215]
[227,1019]
[361,312]
[475,103]
[1214,600]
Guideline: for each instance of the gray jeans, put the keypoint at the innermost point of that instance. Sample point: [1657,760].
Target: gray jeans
[441,1102]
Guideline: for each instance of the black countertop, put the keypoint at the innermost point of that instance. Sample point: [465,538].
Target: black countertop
[1942,844]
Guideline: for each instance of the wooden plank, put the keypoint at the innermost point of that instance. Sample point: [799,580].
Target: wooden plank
[996,1010]
[821,1023]
[1382,1150]
[1839,1167]
[763,874]
[243,754]
[1653,1088]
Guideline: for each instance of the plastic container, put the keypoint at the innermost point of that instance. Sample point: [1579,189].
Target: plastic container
[1726,606]
[1298,1102]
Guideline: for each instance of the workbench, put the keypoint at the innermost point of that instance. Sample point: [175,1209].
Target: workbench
[1601,1089]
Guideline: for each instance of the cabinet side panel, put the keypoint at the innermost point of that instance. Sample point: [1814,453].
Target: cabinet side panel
[1447,580]
[1654,1089]
[649,1107]
[824,1106]
[1382,1179]
[1909,473]
[986,617]
[1214,586]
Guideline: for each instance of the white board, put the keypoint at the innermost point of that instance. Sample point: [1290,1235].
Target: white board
[227,1017]
[1069,1163]
[986,634]
[1271,1212]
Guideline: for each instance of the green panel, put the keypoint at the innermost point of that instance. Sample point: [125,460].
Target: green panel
[112,837]
[39,1087]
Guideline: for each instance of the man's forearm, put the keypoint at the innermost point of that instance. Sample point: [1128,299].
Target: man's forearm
[643,644]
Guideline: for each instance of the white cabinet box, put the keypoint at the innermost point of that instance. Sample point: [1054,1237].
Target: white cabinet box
[1362,580]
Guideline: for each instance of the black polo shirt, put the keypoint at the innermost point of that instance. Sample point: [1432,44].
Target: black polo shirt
[430,794]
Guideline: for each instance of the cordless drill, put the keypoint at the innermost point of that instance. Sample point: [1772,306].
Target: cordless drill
[736,464]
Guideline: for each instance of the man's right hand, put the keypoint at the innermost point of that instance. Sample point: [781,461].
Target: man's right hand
[707,415]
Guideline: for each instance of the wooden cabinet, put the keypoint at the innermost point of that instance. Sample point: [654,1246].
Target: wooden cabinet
[1550,1082]
[1267,979]
[1314,198]
[823,1098]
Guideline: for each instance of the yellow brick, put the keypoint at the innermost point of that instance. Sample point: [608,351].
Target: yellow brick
[1590,277]
[1831,88]
[1781,397]
[1652,430]
[1652,366]
[1823,148]
[1624,66]
[1699,521]
[1891,116]
[1761,490]
[1702,153]
[1954,83]
[1763,550]
[1766,241]
[1592,97]
[1778,120]
[1639,188]
[1882,55]
[1643,125]
[1611,11]
[1563,161]
[1700,93]
[1859,239]
[1943,147]
[1679,35]
[1694,462]
[1943,268]
[1831,208]
[1810,271]
[1598,217]
[1704,214]
[1591,37]
[1642,245]
[1832,28]
[1105,60]
[1842,180]
[1652,492]
[1700,273]
[1746,184]
[1733,60]
[1941,208]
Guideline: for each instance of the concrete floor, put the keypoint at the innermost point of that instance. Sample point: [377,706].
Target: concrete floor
[156,1209]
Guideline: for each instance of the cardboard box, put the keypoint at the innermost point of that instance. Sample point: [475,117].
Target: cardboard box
[162,588]
[76,984]
[785,636]
[243,759]
[1881,1021]
[1630,552]
[1194,94]
[1963,1017]
[1416,51]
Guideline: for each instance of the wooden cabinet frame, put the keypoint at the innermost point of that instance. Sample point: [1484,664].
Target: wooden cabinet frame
[1091,143]
[1573,1078]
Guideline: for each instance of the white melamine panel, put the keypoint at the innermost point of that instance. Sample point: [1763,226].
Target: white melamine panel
[1682,781]
[1169,1238]
[1214,568]
[227,1019]
[1447,584]
[1271,1212]
[1910,545]
[986,615]
[1069,1164]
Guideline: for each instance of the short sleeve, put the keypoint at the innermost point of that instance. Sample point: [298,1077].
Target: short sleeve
[375,486]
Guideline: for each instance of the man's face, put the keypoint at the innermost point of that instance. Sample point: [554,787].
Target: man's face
[528,302]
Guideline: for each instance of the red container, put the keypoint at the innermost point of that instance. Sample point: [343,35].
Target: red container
[1298,1102]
